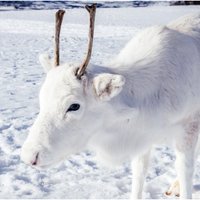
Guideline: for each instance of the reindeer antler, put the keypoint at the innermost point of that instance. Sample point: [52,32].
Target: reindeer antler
[92,10]
[59,19]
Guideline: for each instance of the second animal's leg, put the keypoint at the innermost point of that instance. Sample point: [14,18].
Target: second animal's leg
[139,170]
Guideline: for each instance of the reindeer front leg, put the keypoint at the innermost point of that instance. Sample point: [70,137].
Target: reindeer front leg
[139,170]
[185,167]
[185,156]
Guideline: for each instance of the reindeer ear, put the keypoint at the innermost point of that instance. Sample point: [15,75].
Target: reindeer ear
[46,62]
[107,86]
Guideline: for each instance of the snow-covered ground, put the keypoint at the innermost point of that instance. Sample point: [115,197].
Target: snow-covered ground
[25,34]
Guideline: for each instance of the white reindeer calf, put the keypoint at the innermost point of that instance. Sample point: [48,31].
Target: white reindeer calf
[149,95]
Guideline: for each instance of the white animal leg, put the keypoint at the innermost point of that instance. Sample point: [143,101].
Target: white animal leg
[139,170]
[185,166]
[185,154]
[174,189]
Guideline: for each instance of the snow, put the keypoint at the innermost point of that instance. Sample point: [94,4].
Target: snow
[25,34]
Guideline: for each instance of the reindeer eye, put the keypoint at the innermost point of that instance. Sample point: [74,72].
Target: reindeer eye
[73,107]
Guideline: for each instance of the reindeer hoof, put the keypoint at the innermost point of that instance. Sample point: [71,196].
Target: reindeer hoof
[174,190]
[168,193]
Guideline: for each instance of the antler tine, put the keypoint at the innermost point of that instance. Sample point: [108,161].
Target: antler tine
[58,23]
[92,10]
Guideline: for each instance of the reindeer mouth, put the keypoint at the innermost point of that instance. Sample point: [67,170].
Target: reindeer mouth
[40,166]
[35,162]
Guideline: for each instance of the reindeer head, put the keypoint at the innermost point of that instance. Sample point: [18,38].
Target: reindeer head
[71,103]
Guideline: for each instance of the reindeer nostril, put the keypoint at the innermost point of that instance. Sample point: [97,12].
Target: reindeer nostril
[36,160]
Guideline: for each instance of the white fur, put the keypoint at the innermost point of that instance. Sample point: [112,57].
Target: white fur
[45,61]
[149,95]
[108,85]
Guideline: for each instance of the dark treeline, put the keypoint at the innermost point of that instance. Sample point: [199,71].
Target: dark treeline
[39,5]
[185,3]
